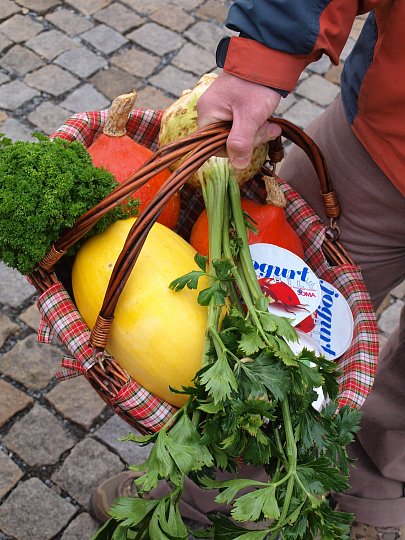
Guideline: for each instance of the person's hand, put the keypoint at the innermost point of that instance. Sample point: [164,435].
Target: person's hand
[248,105]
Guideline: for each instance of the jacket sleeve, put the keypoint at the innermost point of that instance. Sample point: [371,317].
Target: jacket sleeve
[284,36]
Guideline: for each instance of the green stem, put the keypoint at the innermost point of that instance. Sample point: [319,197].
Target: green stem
[244,289]
[245,257]
[234,297]
[291,450]
[280,444]
[214,181]
[219,345]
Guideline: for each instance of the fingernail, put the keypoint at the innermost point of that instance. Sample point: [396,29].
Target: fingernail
[240,162]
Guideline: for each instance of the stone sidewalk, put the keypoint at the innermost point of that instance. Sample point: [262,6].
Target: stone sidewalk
[57,440]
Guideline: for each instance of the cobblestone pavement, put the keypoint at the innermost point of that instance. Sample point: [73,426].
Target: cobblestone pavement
[57,440]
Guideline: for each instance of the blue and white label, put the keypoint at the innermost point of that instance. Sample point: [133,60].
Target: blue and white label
[289,283]
[332,323]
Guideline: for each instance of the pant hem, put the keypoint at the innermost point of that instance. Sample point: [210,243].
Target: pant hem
[377,513]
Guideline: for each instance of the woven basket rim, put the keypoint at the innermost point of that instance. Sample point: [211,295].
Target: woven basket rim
[106,377]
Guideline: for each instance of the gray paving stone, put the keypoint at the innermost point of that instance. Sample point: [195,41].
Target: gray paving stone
[194,59]
[390,317]
[14,288]
[174,80]
[383,306]
[69,22]
[206,35]
[88,464]
[138,63]
[156,39]
[85,98]
[357,27]
[382,340]
[31,317]
[119,17]
[51,44]
[321,66]
[347,49]
[334,74]
[52,80]
[3,117]
[38,438]
[4,78]
[145,6]
[81,528]
[76,400]
[212,9]
[174,18]
[285,104]
[303,112]
[113,82]
[7,328]
[304,75]
[8,8]
[399,291]
[10,474]
[20,28]
[4,43]
[12,401]
[187,4]
[15,94]
[104,38]
[39,6]
[88,7]
[318,89]
[31,363]
[48,118]
[34,511]
[116,428]
[152,98]
[16,130]
[20,60]
[81,62]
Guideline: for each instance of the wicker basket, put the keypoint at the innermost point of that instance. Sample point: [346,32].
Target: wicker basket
[323,253]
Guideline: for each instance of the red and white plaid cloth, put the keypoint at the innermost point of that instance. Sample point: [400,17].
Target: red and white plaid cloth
[60,316]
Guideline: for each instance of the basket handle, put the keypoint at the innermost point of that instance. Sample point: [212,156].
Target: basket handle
[199,146]
[303,141]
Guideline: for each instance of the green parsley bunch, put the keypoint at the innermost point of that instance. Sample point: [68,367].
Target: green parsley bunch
[45,186]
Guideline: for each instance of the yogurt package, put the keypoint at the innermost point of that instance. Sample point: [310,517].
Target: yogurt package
[291,286]
[331,326]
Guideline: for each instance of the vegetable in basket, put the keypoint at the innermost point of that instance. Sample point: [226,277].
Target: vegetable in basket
[157,336]
[251,401]
[44,187]
[180,119]
[115,151]
[267,223]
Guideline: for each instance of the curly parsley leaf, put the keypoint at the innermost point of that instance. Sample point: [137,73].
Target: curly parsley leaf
[45,187]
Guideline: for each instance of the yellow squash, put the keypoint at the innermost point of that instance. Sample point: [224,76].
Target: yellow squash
[157,334]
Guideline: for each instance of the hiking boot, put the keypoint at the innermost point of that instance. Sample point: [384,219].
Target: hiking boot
[120,485]
[361,531]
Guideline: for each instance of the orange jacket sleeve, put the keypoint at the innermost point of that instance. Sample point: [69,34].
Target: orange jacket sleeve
[284,36]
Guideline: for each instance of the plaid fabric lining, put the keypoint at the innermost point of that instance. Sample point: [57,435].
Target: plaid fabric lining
[142,126]
[60,314]
[358,364]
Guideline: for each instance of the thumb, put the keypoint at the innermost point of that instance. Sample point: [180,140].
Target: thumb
[241,140]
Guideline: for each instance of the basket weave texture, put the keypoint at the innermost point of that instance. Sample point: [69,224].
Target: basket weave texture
[127,398]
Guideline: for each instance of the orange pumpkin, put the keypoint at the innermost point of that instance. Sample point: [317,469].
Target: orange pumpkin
[122,156]
[270,220]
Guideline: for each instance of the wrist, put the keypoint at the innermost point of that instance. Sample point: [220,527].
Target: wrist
[252,61]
